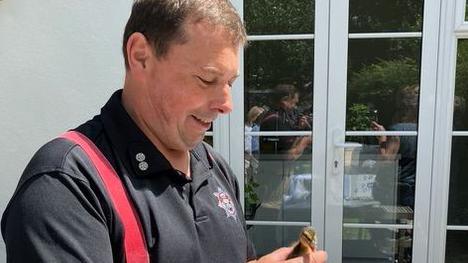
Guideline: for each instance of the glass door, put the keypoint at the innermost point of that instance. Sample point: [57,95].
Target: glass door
[379,158]
[278,95]
[333,124]
[381,89]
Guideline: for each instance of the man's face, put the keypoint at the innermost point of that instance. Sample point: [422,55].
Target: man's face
[294,100]
[190,86]
[291,102]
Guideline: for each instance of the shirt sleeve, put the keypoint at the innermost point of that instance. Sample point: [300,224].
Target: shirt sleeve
[56,218]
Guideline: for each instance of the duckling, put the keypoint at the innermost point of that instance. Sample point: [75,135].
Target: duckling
[307,240]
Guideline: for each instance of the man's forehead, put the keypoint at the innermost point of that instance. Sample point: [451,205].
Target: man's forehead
[204,27]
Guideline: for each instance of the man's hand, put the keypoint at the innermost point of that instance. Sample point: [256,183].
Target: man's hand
[377,127]
[305,122]
[281,254]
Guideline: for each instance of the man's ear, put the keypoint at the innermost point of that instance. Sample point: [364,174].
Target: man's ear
[138,51]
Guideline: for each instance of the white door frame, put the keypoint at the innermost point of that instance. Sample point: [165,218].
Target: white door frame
[452,28]
[330,80]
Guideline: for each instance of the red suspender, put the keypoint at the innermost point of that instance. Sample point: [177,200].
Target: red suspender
[134,241]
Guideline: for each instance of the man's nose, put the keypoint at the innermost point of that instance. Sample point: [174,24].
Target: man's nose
[222,101]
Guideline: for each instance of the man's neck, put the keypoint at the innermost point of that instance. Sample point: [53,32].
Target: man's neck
[180,160]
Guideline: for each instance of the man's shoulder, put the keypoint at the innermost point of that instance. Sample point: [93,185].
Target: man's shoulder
[50,156]
[56,156]
[61,155]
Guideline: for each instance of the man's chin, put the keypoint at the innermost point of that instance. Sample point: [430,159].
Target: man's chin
[194,142]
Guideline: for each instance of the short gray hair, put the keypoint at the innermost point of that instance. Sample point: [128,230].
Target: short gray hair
[162,21]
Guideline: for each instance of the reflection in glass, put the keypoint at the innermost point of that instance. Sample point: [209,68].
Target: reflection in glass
[279,16]
[466,11]
[460,120]
[376,245]
[269,238]
[383,82]
[280,181]
[385,16]
[458,207]
[269,63]
[456,245]
[379,185]
[278,98]
[208,139]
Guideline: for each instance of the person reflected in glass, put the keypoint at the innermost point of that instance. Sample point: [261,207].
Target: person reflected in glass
[284,116]
[251,143]
[280,154]
[402,148]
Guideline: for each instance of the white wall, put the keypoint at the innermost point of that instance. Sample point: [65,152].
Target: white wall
[59,62]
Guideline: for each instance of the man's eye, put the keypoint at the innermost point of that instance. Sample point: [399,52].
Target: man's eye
[205,81]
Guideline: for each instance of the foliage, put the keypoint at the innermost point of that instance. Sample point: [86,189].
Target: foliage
[380,80]
[384,15]
[279,16]
[250,195]
[376,86]
[251,199]
[272,62]
[462,69]
[268,63]
[358,117]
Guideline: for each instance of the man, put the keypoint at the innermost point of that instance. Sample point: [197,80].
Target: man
[402,148]
[181,59]
[282,157]
[283,116]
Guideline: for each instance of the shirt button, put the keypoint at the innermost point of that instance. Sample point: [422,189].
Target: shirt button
[143,166]
[140,157]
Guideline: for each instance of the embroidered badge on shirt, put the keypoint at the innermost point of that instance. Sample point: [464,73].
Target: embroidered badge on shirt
[225,202]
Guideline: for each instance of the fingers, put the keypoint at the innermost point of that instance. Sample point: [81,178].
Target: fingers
[279,255]
[319,257]
[283,253]
[314,257]
[377,127]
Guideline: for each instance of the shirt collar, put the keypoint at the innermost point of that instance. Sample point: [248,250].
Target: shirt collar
[136,151]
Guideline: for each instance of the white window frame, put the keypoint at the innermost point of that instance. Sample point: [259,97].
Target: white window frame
[233,150]
[453,27]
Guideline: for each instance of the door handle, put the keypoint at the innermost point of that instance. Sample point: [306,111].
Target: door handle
[340,144]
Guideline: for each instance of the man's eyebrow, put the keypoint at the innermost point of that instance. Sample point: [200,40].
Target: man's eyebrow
[212,69]
[215,70]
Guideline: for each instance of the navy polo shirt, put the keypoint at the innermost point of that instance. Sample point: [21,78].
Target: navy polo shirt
[60,211]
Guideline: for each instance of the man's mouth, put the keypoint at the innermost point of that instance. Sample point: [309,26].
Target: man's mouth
[204,122]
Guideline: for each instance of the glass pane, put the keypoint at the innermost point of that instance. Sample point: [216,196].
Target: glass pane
[458,207]
[376,245]
[456,245]
[460,116]
[278,183]
[383,84]
[385,16]
[379,180]
[278,98]
[269,238]
[279,16]
[269,63]
[208,139]
[466,11]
